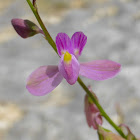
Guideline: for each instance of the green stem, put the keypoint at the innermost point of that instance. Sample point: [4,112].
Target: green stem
[47,35]
[100,107]
[99,136]
[52,43]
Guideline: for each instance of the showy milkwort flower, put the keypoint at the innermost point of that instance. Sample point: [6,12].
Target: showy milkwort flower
[46,78]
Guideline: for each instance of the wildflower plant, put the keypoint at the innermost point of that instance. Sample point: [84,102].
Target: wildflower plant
[46,78]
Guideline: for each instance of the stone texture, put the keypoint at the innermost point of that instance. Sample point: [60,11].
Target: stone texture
[113,30]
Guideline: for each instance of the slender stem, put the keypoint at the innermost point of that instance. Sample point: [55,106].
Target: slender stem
[99,136]
[52,43]
[47,35]
[100,107]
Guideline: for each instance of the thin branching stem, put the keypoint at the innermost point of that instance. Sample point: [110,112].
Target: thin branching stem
[47,35]
[52,43]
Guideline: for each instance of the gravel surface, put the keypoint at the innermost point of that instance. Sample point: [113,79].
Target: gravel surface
[113,30]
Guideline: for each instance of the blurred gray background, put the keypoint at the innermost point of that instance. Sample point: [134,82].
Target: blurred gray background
[113,30]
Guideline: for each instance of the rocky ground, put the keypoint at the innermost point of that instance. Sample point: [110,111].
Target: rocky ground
[113,30]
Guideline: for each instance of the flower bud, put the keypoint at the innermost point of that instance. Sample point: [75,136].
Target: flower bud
[92,113]
[25,28]
[105,134]
[130,135]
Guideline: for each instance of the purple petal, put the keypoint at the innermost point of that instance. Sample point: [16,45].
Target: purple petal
[78,41]
[63,43]
[43,80]
[70,70]
[99,69]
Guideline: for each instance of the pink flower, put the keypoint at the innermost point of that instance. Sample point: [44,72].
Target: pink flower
[46,78]
[92,113]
